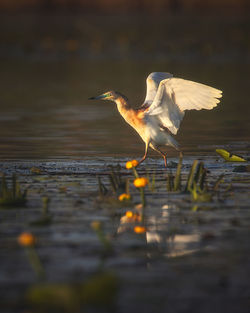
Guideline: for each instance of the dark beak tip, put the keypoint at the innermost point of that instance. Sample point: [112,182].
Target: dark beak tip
[91,98]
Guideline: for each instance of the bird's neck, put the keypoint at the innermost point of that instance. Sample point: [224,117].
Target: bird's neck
[132,117]
[122,104]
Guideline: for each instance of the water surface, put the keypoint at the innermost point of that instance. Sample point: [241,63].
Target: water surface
[49,72]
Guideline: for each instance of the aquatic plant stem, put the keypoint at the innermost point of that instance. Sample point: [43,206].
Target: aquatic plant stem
[177,179]
[46,202]
[143,200]
[135,172]
[35,262]
[102,237]
[191,176]
[151,184]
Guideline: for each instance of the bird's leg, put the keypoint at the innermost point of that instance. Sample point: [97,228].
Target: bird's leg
[165,159]
[145,154]
[164,155]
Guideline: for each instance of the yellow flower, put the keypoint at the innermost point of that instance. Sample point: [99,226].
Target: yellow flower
[26,239]
[140,229]
[131,164]
[140,182]
[96,225]
[124,196]
[129,214]
[133,216]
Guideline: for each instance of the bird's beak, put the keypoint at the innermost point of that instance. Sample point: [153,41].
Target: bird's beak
[103,96]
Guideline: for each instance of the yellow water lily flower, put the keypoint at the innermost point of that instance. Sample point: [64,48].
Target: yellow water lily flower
[228,156]
[124,197]
[131,164]
[26,239]
[140,182]
[129,214]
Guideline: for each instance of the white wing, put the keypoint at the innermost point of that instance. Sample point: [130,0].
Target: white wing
[153,81]
[175,95]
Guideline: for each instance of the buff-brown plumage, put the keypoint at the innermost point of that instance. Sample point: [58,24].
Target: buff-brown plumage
[164,107]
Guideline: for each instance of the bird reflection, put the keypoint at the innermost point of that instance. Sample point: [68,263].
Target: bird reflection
[160,232]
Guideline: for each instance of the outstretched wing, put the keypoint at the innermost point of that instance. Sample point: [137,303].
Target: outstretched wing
[176,95]
[153,81]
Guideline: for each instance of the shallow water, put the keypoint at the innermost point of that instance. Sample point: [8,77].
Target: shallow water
[190,250]
[49,72]
[45,118]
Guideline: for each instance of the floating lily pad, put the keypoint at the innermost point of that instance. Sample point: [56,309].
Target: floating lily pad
[229,157]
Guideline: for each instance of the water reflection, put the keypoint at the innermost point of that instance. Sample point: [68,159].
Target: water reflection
[164,232]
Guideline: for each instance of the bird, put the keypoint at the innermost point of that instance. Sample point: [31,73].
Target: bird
[159,117]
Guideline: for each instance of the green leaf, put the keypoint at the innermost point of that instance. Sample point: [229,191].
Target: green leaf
[177,180]
[228,156]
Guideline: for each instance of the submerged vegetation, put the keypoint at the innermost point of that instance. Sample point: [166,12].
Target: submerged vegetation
[99,291]
[195,183]
[46,217]
[12,196]
[193,186]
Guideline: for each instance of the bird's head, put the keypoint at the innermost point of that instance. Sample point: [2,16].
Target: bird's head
[110,95]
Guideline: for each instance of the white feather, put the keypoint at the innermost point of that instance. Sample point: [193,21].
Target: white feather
[176,95]
[153,81]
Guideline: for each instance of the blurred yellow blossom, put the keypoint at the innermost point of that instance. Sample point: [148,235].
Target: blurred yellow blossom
[124,196]
[130,217]
[129,214]
[133,216]
[131,164]
[140,182]
[26,239]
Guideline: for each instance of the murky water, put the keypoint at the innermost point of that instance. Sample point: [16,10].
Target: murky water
[48,115]
[49,72]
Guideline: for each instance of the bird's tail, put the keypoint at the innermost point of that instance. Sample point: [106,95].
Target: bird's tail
[172,142]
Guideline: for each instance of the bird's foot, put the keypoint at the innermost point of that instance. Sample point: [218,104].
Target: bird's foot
[142,159]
